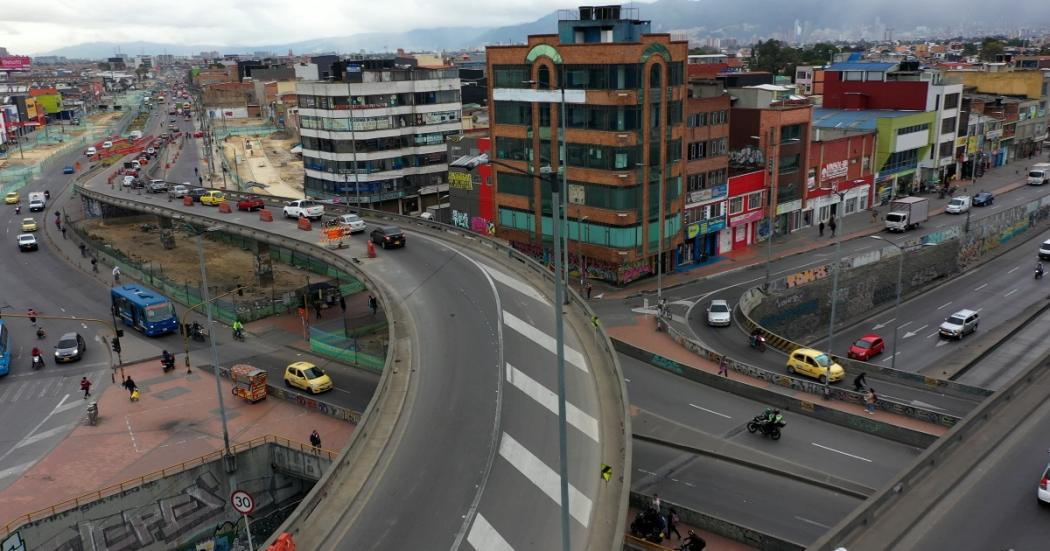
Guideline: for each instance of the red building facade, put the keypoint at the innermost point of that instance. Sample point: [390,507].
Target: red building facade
[746,210]
[842,90]
[840,174]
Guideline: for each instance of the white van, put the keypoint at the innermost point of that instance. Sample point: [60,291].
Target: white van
[958,205]
[37,196]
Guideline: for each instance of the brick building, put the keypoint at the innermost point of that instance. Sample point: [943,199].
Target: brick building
[840,174]
[706,143]
[625,91]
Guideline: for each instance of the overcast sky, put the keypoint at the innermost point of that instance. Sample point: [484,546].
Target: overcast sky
[41,26]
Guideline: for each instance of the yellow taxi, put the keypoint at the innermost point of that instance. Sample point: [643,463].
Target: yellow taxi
[213,198]
[12,198]
[816,364]
[28,224]
[308,377]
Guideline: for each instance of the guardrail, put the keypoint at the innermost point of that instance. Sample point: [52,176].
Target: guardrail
[132,483]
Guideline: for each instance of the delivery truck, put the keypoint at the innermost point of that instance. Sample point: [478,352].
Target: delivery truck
[907,212]
[1039,174]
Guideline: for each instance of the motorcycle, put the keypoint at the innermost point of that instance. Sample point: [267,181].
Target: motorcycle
[648,525]
[47,195]
[197,332]
[40,333]
[1039,273]
[767,427]
[18,209]
[168,363]
[38,362]
[758,342]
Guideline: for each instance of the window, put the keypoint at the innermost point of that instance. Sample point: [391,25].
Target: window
[513,112]
[951,101]
[948,125]
[789,163]
[875,76]
[736,205]
[853,76]
[790,133]
[513,148]
[510,76]
[913,128]
[697,150]
[695,182]
[754,200]
[514,184]
[697,120]
[947,149]
[937,102]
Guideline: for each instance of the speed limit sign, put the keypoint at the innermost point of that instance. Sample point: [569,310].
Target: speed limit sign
[242,502]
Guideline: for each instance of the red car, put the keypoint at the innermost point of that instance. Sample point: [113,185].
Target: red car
[250,204]
[198,134]
[866,347]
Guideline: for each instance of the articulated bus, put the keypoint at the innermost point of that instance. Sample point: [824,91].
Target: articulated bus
[144,309]
[5,349]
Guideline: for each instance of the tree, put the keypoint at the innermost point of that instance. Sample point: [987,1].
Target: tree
[969,49]
[819,53]
[991,47]
[703,50]
[774,56]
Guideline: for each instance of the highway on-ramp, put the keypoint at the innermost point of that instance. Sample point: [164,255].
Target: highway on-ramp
[477,459]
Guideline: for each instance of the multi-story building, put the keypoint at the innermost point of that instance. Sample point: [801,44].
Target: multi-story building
[840,174]
[624,92]
[902,86]
[471,194]
[375,134]
[810,80]
[706,143]
[770,129]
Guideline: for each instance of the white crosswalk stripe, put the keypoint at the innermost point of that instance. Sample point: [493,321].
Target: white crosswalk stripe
[545,478]
[516,284]
[548,399]
[485,538]
[16,470]
[572,355]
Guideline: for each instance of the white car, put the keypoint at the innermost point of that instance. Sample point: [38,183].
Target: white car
[27,242]
[107,145]
[1044,250]
[129,180]
[353,221]
[719,314]
[1043,492]
[958,205]
[36,205]
[151,151]
[304,207]
[91,151]
[179,191]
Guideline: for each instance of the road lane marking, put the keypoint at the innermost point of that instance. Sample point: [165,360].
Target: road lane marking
[66,407]
[37,427]
[548,399]
[16,470]
[710,411]
[935,333]
[981,286]
[903,324]
[813,522]
[1014,269]
[545,478]
[47,386]
[44,435]
[515,283]
[1010,293]
[484,537]
[572,355]
[842,452]
[21,389]
[943,306]
[910,334]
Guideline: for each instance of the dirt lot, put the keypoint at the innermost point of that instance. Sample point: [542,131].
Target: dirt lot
[269,161]
[228,267]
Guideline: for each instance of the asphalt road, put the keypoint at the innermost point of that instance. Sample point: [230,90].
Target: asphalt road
[40,408]
[780,506]
[480,427]
[995,506]
[857,456]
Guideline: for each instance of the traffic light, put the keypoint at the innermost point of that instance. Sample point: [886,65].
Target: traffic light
[116,345]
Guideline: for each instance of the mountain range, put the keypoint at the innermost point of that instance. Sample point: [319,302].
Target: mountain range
[742,19]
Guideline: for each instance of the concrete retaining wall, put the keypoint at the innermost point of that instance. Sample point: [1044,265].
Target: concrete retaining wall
[180,510]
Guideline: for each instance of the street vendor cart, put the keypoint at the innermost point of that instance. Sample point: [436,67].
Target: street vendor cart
[248,382]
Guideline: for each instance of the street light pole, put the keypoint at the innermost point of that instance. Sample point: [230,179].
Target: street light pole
[214,350]
[836,266]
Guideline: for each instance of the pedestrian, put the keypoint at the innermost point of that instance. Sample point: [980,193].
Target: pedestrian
[656,501]
[373,304]
[116,275]
[94,265]
[63,228]
[200,180]
[83,250]
[723,366]
[588,287]
[342,303]
[32,316]
[130,385]
[672,523]
[832,226]
[874,215]
[820,229]
[85,385]
[869,400]
[315,440]
[859,383]
[317,308]
[58,222]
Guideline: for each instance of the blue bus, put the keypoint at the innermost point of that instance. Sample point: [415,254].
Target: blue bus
[144,309]
[5,349]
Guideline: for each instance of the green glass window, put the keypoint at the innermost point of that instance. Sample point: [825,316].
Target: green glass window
[514,184]
[510,76]
[513,112]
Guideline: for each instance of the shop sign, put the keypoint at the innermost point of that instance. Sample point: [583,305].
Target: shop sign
[710,194]
[837,169]
[993,134]
[790,206]
[704,227]
[741,219]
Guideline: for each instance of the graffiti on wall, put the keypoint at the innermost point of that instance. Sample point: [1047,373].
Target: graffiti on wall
[13,542]
[806,276]
[631,271]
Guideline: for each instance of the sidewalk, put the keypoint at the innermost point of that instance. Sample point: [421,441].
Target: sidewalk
[176,420]
[643,334]
[714,541]
[999,181]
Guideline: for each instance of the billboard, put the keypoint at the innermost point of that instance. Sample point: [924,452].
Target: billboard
[14,63]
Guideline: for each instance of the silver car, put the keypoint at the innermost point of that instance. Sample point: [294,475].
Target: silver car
[70,348]
[719,314]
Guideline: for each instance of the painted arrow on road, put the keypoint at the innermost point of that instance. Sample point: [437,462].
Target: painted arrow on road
[881,325]
[910,334]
